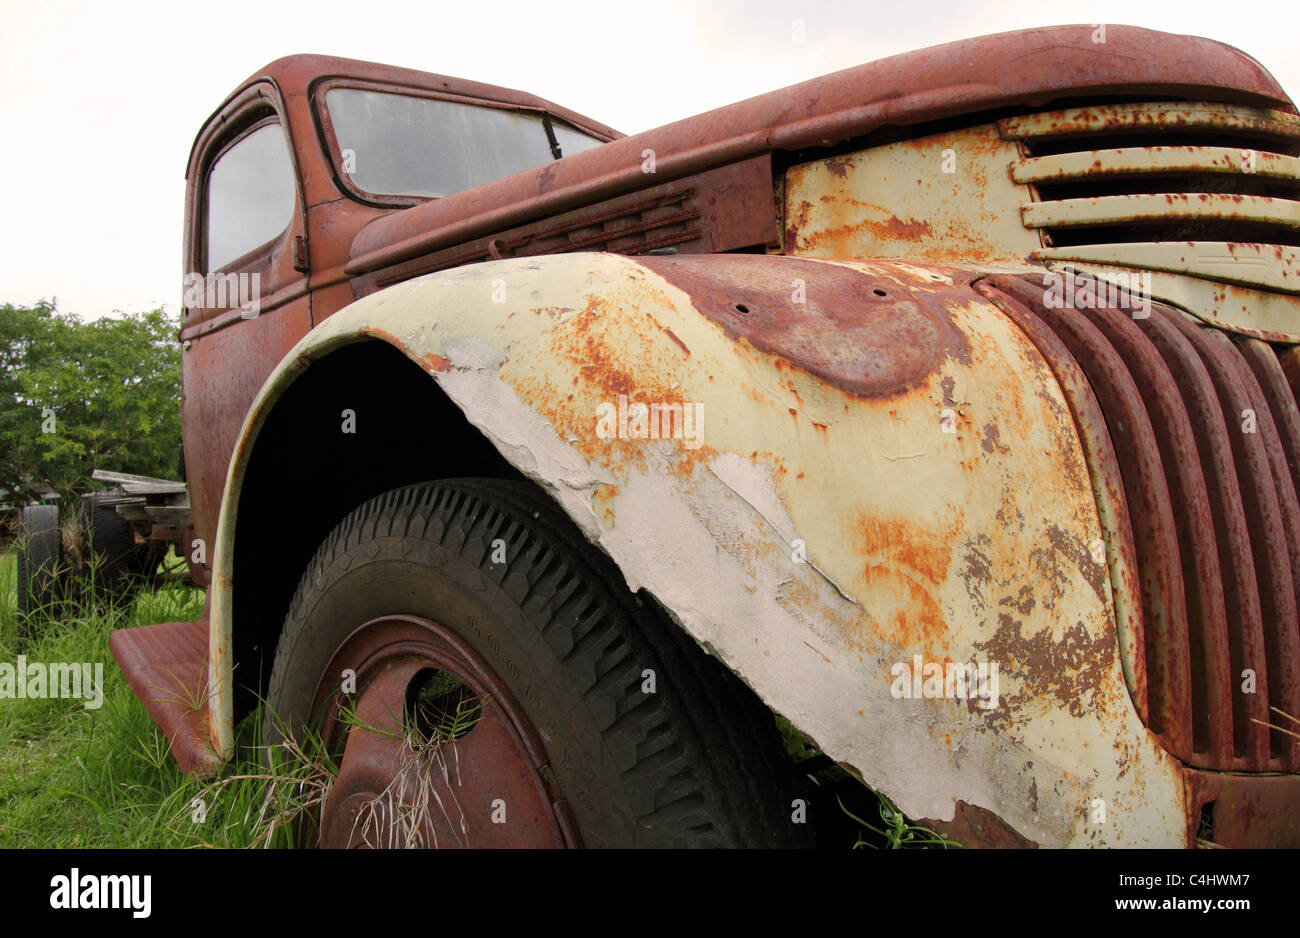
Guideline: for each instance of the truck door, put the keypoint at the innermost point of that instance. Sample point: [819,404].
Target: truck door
[246,300]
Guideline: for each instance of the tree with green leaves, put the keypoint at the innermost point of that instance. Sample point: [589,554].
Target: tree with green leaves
[78,396]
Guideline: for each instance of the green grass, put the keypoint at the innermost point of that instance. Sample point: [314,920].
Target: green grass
[77,777]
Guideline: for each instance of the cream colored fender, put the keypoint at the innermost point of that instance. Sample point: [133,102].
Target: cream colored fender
[877,474]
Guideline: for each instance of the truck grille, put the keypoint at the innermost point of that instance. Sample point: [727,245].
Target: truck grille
[1160,172]
[1193,438]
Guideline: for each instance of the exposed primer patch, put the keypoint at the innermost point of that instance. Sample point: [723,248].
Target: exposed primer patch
[663,544]
[755,485]
[527,440]
[473,352]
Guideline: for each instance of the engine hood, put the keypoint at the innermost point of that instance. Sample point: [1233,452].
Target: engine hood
[1023,68]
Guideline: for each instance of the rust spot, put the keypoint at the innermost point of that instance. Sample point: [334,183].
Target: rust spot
[1077,551]
[609,370]
[948,384]
[819,654]
[431,361]
[843,331]
[602,498]
[908,563]
[976,573]
[1071,669]
[668,332]
[973,826]
[1023,602]
[896,229]
[990,443]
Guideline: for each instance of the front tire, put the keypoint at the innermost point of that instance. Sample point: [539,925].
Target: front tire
[483,591]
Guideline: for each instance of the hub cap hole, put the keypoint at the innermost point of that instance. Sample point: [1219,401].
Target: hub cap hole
[440,708]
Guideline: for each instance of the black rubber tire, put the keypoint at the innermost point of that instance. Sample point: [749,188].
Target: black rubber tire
[121,564]
[699,763]
[41,577]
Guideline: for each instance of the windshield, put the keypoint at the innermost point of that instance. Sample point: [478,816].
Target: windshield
[397,144]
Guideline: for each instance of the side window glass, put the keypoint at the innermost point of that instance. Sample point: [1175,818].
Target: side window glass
[250,195]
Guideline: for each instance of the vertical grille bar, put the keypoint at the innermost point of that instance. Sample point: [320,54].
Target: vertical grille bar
[1273,654]
[1232,536]
[1210,702]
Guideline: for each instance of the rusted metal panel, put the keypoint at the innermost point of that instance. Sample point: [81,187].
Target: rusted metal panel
[1248,311]
[220,376]
[1278,658]
[1180,373]
[709,213]
[1281,125]
[1289,359]
[1198,551]
[1019,196]
[1223,463]
[938,198]
[1243,811]
[973,826]
[1231,534]
[1282,405]
[872,343]
[1262,266]
[971,545]
[1162,161]
[1098,200]
[1166,207]
[166,668]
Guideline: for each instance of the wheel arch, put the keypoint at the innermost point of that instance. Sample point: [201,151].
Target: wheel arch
[303,474]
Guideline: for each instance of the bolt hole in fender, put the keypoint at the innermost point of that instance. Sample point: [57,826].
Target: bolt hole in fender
[477,672]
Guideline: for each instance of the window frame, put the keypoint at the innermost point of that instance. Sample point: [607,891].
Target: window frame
[249,124]
[330,144]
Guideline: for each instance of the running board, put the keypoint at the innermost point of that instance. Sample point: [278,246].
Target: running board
[166,667]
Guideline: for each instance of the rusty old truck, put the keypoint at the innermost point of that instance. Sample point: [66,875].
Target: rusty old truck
[944,408]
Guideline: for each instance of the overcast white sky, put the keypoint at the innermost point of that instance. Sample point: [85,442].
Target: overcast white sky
[99,102]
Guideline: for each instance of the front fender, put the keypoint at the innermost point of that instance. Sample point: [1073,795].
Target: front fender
[879,471]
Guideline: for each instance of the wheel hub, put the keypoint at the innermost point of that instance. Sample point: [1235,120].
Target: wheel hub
[436,752]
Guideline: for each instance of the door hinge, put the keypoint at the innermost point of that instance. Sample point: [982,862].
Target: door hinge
[300,254]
